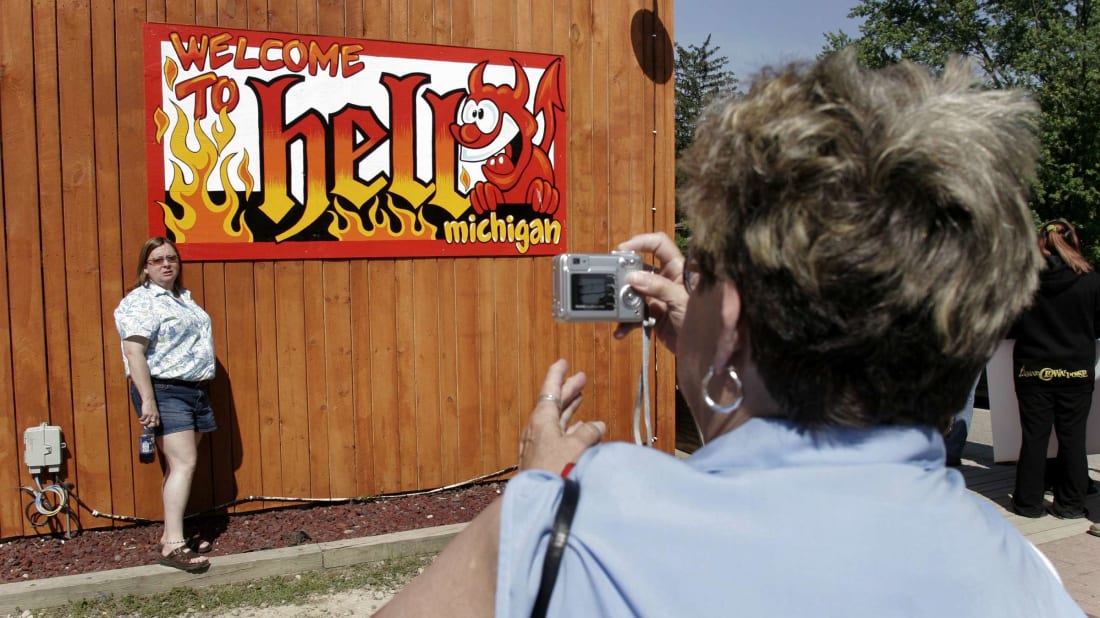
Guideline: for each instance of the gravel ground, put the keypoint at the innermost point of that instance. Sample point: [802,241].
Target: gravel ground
[97,550]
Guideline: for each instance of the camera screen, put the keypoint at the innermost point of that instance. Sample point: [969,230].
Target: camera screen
[593,292]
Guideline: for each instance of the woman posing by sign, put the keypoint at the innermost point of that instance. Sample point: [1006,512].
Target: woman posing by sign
[168,352]
[1053,366]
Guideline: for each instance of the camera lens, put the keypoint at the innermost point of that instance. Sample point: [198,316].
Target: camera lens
[631,298]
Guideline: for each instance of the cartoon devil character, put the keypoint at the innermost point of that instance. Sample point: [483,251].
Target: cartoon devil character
[494,127]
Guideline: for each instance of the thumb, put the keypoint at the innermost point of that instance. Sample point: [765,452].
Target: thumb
[588,433]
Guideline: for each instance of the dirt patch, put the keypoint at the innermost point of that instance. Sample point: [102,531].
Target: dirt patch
[99,550]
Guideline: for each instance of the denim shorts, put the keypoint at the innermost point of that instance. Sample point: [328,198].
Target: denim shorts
[182,408]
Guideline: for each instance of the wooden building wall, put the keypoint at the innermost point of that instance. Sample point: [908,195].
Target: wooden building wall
[336,377]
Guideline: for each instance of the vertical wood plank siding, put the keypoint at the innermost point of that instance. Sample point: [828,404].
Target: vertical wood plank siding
[336,377]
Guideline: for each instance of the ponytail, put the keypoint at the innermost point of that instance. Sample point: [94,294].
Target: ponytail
[1059,238]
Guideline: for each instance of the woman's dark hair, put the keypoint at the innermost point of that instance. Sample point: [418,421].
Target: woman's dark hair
[876,226]
[141,279]
[1058,237]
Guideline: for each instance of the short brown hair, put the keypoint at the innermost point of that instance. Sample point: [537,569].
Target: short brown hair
[876,225]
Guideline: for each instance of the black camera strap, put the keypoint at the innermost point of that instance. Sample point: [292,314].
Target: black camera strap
[559,534]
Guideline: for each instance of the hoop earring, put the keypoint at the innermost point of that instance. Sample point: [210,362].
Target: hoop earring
[715,406]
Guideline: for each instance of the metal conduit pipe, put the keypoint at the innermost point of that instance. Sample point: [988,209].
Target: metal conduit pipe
[404,494]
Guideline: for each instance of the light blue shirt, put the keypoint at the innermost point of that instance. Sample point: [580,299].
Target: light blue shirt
[181,340]
[770,521]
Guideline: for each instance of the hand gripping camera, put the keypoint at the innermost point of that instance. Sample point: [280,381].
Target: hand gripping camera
[591,287]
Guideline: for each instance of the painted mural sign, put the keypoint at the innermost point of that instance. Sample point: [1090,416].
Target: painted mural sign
[269,146]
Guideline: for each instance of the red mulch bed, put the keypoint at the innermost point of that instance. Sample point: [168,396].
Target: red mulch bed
[113,548]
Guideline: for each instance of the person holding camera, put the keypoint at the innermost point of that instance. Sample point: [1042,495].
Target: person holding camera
[168,352]
[860,243]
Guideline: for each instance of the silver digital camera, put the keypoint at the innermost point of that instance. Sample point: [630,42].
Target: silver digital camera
[591,287]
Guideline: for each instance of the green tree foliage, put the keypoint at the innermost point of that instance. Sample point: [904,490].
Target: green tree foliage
[1049,46]
[701,75]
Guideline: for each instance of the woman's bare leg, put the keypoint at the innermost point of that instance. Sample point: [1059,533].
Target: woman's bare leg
[180,451]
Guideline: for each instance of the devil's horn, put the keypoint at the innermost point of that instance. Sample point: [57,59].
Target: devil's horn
[522,87]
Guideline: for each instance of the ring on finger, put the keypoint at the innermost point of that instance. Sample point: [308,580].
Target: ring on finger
[548,397]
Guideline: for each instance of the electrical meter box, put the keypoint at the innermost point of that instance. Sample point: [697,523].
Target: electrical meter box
[43,448]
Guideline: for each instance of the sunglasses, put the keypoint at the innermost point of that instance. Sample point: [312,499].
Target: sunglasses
[157,261]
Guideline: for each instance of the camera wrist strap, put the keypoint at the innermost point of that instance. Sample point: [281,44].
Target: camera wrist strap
[641,403]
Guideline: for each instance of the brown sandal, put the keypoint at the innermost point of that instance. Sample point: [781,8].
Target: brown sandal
[196,544]
[183,558]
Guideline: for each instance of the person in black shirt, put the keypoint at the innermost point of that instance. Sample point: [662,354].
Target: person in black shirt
[1053,369]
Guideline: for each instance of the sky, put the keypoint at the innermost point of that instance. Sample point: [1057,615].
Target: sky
[755,33]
